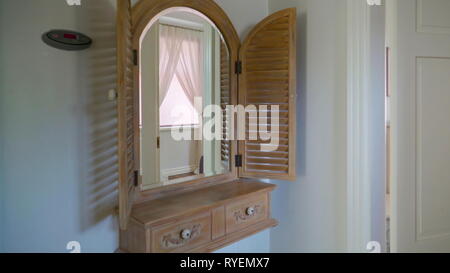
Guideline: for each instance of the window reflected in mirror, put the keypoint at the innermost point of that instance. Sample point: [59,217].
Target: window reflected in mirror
[185,67]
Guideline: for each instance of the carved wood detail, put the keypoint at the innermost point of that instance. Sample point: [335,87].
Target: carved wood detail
[172,240]
[241,214]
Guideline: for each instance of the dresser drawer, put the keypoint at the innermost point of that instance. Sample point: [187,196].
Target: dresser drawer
[246,212]
[183,235]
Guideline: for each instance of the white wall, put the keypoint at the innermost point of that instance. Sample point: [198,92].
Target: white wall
[377,160]
[311,210]
[244,14]
[58,131]
[58,168]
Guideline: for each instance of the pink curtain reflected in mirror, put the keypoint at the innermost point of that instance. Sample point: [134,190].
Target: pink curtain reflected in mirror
[184,114]
[180,70]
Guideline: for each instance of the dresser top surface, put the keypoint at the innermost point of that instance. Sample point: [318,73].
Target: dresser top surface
[178,204]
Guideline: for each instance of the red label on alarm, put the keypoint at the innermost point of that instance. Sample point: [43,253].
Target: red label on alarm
[70,36]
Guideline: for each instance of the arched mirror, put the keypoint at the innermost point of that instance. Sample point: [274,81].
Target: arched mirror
[186,64]
[184,79]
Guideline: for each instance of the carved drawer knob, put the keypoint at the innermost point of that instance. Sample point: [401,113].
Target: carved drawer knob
[250,211]
[186,234]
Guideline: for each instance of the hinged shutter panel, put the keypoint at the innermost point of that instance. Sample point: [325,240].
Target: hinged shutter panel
[127,113]
[225,99]
[268,58]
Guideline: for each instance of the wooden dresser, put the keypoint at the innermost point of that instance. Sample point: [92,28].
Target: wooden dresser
[218,201]
[202,220]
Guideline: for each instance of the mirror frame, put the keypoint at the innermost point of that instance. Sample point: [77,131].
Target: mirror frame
[143,12]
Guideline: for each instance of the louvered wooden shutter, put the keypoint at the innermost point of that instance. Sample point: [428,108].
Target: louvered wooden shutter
[225,99]
[268,57]
[127,113]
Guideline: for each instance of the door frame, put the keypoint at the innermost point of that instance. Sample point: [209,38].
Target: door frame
[363,198]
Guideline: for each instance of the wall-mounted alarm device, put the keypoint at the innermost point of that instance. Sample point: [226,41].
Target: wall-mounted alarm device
[66,39]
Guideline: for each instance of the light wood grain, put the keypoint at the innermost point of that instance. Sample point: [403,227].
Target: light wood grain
[167,238]
[127,113]
[134,238]
[236,214]
[268,78]
[215,214]
[218,222]
[158,210]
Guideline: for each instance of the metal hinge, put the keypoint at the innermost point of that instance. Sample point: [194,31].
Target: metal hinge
[158,142]
[135,57]
[238,161]
[238,67]
[136,178]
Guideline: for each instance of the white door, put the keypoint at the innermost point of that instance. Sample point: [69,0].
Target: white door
[419,36]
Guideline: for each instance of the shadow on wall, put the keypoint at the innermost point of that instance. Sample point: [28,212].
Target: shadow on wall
[98,173]
[301,94]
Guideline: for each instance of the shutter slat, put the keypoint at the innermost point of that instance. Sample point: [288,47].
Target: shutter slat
[225,99]
[126,104]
